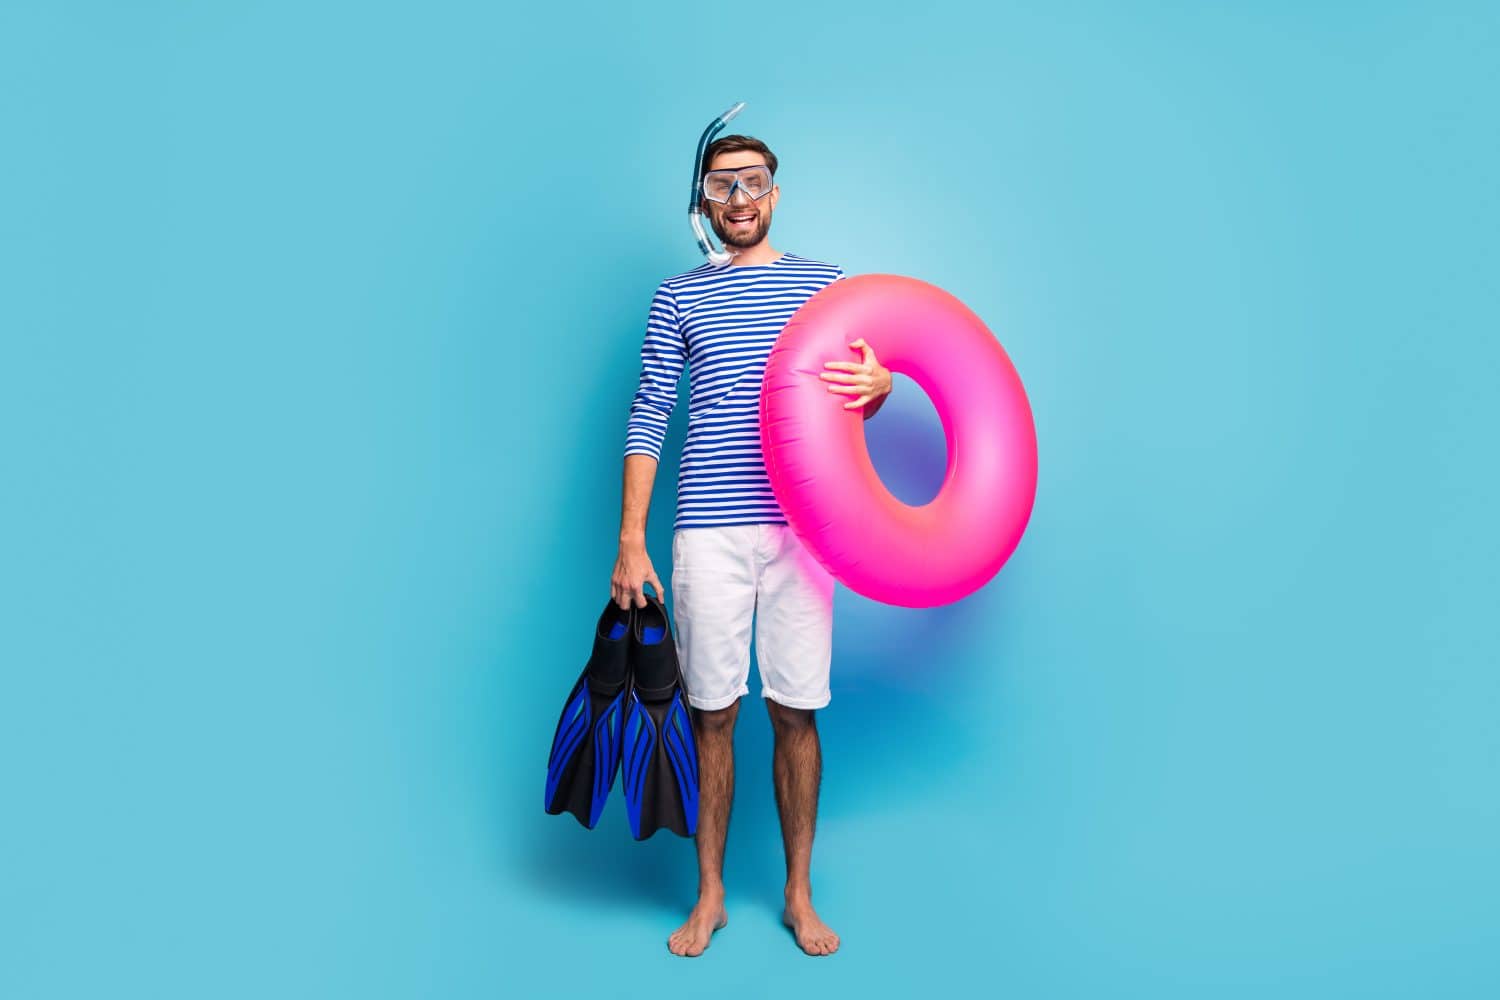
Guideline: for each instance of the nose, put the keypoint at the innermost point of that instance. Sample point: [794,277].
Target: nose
[739,193]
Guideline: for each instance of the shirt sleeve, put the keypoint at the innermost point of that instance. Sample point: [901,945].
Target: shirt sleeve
[663,354]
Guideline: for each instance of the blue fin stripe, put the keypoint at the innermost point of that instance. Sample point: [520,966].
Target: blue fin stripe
[606,758]
[684,767]
[565,744]
[640,742]
[574,721]
[684,726]
[640,739]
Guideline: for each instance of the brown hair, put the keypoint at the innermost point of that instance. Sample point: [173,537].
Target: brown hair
[735,144]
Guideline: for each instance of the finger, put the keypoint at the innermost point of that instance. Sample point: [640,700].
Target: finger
[661,592]
[856,404]
[869,355]
[846,365]
[640,594]
[850,390]
[839,377]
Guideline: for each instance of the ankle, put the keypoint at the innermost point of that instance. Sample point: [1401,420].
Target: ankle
[711,892]
[798,894]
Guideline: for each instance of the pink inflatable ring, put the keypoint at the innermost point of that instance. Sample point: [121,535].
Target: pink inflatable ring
[821,471]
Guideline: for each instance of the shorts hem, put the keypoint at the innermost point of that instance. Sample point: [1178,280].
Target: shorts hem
[714,704]
[790,702]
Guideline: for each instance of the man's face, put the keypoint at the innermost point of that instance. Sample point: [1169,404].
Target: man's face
[743,222]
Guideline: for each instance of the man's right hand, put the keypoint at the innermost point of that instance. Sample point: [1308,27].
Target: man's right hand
[633,570]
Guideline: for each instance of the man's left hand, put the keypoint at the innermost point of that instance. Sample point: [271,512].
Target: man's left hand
[867,378]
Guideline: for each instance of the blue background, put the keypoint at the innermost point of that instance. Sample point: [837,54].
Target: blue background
[320,325]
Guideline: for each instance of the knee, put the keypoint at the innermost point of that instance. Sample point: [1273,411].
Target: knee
[717,722]
[790,721]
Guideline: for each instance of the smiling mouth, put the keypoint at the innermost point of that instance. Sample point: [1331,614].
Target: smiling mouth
[740,220]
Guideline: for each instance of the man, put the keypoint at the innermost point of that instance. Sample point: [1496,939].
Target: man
[734,557]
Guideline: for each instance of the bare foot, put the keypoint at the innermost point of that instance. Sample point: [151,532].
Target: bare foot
[692,937]
[813,936]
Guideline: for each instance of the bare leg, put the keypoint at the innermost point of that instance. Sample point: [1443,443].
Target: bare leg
[714,732]
[798,769]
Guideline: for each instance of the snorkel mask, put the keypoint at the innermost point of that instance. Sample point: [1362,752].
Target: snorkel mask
[716,257]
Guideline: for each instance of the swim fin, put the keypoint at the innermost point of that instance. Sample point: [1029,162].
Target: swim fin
[586,747]
[660,757]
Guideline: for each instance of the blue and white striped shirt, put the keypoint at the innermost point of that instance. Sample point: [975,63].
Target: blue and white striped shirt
[724,322]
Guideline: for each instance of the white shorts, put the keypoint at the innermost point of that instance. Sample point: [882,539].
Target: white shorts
[722,577]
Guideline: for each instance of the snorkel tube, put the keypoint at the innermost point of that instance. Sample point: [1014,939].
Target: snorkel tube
[716,257]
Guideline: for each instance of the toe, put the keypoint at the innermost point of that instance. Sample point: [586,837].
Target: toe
[826,941]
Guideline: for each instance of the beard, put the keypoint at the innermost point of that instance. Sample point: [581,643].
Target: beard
[742,239]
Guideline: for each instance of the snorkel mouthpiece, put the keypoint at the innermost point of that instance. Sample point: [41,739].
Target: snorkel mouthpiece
[716,257]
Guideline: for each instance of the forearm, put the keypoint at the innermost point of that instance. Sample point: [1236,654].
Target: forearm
[640,476]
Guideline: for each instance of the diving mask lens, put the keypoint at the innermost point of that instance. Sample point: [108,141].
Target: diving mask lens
[719,185]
